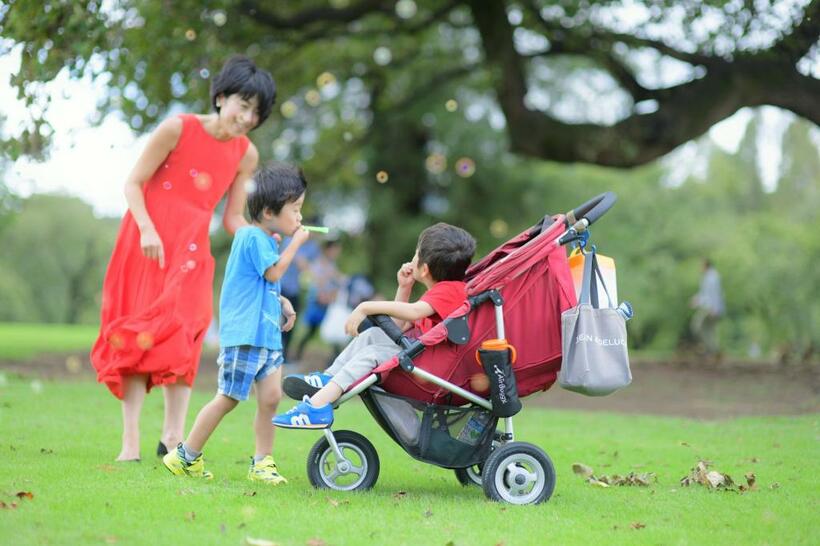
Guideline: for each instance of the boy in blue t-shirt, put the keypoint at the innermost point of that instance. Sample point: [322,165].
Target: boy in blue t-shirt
[250,335]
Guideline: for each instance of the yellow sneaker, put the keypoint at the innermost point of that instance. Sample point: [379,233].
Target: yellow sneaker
[178,466]
[265,471]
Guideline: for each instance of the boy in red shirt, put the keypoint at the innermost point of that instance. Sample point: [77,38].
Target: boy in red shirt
[443,254]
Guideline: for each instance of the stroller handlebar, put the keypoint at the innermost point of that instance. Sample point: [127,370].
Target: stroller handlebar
[390,328]
[579,218]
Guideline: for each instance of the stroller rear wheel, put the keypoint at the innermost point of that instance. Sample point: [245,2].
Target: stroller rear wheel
[469,476]
[359,468]
[518,473]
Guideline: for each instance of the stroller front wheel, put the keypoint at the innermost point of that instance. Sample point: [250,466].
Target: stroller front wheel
[518,473]
[469,476]
[359,470]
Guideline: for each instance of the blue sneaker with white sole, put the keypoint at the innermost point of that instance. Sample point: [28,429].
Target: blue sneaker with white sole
[305,415]
[298,386]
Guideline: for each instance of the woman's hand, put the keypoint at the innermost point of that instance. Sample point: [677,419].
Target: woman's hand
[151,245]
[289,313]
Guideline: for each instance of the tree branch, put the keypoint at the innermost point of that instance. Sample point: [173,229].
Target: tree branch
[301,19]
[582,36]
[433,84]
[684,112]
[331,31]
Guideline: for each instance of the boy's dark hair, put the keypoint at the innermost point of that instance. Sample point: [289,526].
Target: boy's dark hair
[240,76]
[447,250]
[276,185]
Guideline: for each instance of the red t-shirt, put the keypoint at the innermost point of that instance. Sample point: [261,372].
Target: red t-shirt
[445,297]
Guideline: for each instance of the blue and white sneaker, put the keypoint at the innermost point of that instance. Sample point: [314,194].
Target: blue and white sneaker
[305,415]
[298,386]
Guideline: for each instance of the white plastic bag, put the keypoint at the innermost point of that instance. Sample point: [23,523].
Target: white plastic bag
[332,330]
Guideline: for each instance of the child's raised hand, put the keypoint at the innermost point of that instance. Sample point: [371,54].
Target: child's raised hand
[151,246]
[405,275]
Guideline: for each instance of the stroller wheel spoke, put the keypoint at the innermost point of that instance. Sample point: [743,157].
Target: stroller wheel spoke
[518,473]
[333,475]
[350,465]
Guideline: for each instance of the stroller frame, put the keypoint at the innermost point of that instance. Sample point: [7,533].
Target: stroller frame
[513,472]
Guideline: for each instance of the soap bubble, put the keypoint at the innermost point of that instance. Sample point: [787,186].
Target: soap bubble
[465,167]
[436,163]
[145,340]
[288,109]
[499,228]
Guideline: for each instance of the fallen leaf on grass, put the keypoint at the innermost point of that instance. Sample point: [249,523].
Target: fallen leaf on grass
[750,483]
[249,493]
[336,503]
[582,469]
[46,451]
[400,494]
[603,481]
[10,506]
[713,479]
[185,491]
[108,468]
[775,485]
[315,542]
[428,513]
[637,525]
[190,516]
[24,495]
[250,541]
[110,539]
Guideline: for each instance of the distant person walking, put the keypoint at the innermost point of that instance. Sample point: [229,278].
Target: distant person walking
[158,288]
[709,308]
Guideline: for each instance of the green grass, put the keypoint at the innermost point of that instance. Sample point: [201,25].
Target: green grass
[57,440]
[19,341]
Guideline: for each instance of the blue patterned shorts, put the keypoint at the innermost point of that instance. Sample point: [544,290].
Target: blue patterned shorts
[240,366]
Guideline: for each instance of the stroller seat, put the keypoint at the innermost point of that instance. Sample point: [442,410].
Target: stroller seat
[534,279]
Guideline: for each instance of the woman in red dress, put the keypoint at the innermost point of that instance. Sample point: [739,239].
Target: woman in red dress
[158,288]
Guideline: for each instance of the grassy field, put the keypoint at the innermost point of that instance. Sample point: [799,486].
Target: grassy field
[58,439]
[20,341]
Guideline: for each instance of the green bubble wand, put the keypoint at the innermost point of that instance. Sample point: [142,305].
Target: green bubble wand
[317,229]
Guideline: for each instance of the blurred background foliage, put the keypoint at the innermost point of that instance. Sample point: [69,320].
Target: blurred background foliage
[393,110]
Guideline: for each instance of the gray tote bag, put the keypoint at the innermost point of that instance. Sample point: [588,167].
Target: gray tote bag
[593,341]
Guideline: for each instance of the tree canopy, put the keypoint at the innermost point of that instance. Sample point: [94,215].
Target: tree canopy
[577,81]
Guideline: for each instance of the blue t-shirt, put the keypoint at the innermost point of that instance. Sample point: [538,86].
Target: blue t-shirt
[249,307]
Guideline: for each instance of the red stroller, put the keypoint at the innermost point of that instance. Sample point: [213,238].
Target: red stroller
[456,382]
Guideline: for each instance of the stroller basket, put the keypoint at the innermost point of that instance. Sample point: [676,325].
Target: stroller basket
[446,436]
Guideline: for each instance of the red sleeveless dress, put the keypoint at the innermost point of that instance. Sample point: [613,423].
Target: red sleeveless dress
[153,321]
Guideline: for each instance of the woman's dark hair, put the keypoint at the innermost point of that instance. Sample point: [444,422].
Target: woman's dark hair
[240,76]
[447,250]
[276,185]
